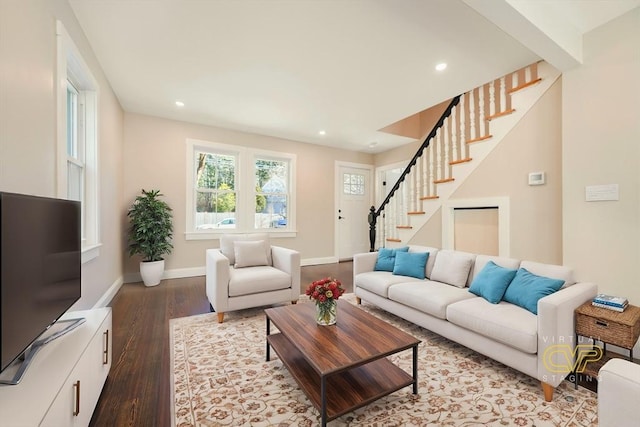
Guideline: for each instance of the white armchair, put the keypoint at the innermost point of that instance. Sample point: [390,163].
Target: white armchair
[246,271]
[618,393]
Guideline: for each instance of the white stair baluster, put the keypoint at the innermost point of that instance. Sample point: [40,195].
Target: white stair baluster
[454,134]
[492,99]
[472,116]
[481,120]
[411,196]
[514,78]
[527,74]
[432,178]
[425,179]
[439,158]
[463,135]
[446,146]
[503,93]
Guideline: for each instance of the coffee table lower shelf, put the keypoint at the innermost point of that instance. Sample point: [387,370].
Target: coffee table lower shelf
[346,390]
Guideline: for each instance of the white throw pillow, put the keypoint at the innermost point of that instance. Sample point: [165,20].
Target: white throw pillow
[452,268]
[250,253]
[227,242]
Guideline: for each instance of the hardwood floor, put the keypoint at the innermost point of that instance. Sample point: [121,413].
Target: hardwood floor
[137,390]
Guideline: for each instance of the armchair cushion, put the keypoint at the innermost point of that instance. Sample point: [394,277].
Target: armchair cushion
[250,253]
[255,280]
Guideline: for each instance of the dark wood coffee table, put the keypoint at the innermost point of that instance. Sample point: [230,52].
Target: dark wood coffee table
[344,366]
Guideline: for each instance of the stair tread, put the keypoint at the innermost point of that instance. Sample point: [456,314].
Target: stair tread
[481,138]
[524,85]
[457,162]
[502,113]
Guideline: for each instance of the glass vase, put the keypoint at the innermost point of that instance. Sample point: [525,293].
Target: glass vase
[326,312]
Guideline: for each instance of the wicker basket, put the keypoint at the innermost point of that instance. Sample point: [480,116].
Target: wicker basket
[617,328]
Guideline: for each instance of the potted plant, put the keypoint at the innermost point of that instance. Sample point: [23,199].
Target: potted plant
[150,233]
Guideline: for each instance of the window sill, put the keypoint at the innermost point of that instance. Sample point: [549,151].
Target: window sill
[90,252]
[211,235]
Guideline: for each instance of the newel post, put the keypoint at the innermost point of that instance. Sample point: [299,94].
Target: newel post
[372,228]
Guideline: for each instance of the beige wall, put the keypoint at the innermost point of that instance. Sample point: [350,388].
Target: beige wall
[155,157]
[601,133]
[28,124]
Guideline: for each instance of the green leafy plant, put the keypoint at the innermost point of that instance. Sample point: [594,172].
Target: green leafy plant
[151,227]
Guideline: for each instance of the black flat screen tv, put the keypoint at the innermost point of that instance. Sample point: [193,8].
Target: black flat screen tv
[40,263]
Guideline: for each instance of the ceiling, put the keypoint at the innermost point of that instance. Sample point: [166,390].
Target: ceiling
[291,68]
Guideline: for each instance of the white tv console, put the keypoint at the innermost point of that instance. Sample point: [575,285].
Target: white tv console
[63,383]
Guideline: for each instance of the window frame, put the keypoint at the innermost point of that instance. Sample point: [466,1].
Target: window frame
[71,67]
[244,187]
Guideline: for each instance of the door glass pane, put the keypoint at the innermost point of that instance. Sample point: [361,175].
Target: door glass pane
[353,184]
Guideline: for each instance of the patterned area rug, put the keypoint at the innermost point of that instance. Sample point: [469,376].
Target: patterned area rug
[221,378]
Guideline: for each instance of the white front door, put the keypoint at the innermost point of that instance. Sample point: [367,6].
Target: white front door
[354,198]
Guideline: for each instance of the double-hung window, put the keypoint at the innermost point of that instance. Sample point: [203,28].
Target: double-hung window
[77,138]
[238,189]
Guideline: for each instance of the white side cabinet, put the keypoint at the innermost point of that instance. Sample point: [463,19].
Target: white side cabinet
[63,383]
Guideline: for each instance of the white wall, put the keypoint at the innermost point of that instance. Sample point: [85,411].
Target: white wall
[28,125]
[601,145]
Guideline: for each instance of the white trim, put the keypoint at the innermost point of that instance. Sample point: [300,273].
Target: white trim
[245,193]
[214,235]
[337,193]
[177,273]
[502,203]
[107,297]
[180,273]
[71,64]
[90,252]
[378,184]
[318,261]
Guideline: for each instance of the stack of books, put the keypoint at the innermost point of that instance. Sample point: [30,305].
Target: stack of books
[610,302]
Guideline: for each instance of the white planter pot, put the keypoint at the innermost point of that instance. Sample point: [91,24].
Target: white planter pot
[151,272]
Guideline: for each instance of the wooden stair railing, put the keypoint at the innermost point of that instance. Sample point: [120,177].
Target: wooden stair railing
[465,121]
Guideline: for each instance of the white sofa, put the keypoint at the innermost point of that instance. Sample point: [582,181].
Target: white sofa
[618,394]
[505,332]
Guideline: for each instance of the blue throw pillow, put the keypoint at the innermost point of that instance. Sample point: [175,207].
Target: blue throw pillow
[387,258]
[411,264]
[526,289]
[492,282]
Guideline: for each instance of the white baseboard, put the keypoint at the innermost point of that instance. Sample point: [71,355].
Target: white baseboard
[318,261]
[109,294]
[180,273]
[177,273]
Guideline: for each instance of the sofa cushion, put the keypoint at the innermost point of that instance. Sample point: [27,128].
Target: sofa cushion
[378,282]
[550,270]
[430,261]
[527,288]
[428,296]
[387,258]
[246,281]
[411,264]
[482,260]
[503,322]
[452,267]
[250,253]
[492,282]
[227,244]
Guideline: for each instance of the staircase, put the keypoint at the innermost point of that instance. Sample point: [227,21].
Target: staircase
[471,126]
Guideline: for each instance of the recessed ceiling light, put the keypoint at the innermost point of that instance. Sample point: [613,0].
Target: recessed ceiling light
[441,66]
[322,132]
[373,144]
[179,104]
